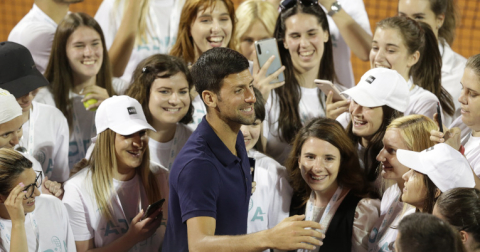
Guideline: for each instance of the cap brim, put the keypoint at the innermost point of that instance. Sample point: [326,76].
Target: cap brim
[362,97]
[132,126]
[23,86]
[412,160]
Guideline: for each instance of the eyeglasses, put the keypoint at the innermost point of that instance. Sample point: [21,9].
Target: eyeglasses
[31,188]
[287,4]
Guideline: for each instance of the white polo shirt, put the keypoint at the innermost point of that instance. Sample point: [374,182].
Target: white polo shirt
[35,31]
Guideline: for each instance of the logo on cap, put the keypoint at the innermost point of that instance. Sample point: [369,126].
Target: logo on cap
[131,110]
[370,79]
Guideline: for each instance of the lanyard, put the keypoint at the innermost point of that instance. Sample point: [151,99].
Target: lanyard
[327,216]
[378,231]
[33,222]
[31,133]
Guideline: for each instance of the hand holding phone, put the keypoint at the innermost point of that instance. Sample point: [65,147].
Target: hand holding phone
[265,49]
[151,209]
[326,86]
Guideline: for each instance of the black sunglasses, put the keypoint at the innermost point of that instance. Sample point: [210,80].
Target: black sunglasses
[30,189]
[287,4]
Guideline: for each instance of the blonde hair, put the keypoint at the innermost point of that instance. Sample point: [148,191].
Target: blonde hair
[102,163]
[415,131]
[143,31]
[252,11]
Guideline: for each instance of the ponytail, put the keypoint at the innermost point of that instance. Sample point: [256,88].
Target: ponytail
[427,73]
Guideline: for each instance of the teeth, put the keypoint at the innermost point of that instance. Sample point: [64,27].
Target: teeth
[306,53]
[172,109]
[317,177]
[359,122]
[89,62]
[215,39]
[247,109]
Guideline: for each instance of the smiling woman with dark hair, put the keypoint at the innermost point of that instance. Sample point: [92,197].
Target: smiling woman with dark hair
[330,187]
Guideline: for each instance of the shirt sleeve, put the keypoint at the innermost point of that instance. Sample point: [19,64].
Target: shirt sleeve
[61,170]
[356,9]
[426,105]
[366,214]
[69,238]
[38,38]
[107,20]
[78,216]
[200,195]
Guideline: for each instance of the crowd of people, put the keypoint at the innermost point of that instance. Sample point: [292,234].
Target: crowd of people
[153,127]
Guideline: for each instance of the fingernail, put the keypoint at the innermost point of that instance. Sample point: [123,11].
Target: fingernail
[21,184]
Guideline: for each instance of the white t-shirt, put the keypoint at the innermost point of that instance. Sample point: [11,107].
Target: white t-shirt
[453,65]
[198,113]
[270,203]
[50,219]
[87,221]
[50,140]
[309,107]
[35,31]
[109,17]
[400,210]
[472,152]
[164,154]
[421,101]
[341,51]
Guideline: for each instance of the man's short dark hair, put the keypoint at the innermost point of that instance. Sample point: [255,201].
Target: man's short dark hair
[215,65]
[421,232]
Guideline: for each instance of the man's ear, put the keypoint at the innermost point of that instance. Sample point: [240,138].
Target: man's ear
[209,98]
[437,193]
[464,236]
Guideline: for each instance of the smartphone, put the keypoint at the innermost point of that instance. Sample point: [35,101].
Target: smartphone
[265,48]
[439,117]
[327,86]
[153,208]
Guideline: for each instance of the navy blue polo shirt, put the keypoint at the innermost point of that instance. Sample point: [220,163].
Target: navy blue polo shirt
[206,179]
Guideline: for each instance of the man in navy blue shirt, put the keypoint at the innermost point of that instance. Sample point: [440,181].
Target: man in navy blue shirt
[210,181]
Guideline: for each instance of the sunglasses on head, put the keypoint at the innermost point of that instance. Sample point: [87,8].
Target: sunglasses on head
[287,4]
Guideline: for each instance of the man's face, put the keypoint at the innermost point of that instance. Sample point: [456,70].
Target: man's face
[236,99]
[11,132]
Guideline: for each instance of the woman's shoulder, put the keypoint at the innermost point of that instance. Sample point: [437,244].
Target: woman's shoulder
[48,205]
[80,178]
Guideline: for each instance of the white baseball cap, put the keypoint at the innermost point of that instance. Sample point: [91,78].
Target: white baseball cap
[445,166]
[381,86]
[9,107]
[122,114]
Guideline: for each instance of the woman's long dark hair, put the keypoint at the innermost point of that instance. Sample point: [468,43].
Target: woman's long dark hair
[289,95]
[376,143]
[59,73]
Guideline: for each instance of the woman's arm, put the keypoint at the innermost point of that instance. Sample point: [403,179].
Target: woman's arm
[357,39]
[14,205]
[124,41]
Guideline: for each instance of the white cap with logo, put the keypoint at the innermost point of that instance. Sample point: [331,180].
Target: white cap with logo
[445,166]
[379,87]
[9,107]
[122,114]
